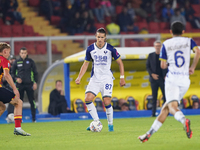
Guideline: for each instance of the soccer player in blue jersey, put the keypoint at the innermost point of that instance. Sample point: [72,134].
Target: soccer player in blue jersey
[175,54]
[101,53]
[7,96]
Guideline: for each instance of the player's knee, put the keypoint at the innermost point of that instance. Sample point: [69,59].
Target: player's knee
[2,107]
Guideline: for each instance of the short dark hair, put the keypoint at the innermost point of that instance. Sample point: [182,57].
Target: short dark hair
[58,81]
[3,46]
[23,48]
[177,28]
[102,30]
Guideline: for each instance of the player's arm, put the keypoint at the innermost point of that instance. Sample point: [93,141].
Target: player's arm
[82,71]
[163,58]
[9,79]
[121,69]
[163,64]
[195,60]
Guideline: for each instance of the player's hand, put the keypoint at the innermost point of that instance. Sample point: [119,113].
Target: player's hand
[155,76]
[34,86]
[62,92]
[16,93]
[19,80]
[122,82]
[78,80]
[191,71]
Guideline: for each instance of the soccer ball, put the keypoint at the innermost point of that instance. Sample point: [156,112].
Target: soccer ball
[96,126]
[10,118]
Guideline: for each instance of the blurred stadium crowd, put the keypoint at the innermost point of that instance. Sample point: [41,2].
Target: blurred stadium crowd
[85,16]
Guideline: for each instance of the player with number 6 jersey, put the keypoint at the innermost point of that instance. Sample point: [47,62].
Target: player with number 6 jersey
[175,54]
[101,54]
[176,51]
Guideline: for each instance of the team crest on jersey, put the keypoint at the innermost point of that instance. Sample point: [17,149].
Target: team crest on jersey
[27,62]
[105,52]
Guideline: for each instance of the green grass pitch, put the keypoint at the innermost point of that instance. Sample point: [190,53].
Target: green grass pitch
[72,135]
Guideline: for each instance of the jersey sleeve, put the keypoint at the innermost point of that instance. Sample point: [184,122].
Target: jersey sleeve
[115,54]
[5,64]
[163,54]
[88,55]
[193,44]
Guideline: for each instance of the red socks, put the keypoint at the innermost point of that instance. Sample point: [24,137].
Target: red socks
[18,120]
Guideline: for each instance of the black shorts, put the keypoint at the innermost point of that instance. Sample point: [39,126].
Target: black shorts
[6,95]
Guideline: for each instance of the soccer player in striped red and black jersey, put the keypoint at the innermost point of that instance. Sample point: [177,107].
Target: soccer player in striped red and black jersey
[6,95]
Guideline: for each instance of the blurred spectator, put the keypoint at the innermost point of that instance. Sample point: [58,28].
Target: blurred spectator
[125,22]
[77,4]
[108,8]
[58,103]
[137,8]
[118,2]
[121,101]
[97,9]
[76,25]
[189,15]
[67,15]
[178,17]
[88,23]
[113,29]
[131,11]
[167,12]
[125,107]
[11,11]
[195,105]
[56,7]
[46,8]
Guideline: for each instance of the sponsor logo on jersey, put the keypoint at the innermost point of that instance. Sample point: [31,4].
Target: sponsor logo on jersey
[100,58]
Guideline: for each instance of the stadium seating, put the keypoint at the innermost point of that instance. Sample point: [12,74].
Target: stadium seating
[6,31]
[55,20]
[133,104]
[100,25]
[164,27]
[28,31]
[18,46]
[34,3]
[142,25]
[79,106]
[30,45]
[154,27]
[183,103]
[115,103]
[196,8]
[144,43]
[17,31]
[41,48]
[99,104]
[148,100]
[118,9]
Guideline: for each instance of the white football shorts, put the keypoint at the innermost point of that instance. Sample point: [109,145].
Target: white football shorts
[105,87]
[175,92]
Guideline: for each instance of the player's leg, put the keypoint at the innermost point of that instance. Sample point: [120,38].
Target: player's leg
[106,91]
[2,108]
[178,114]
[156,124]
[90,105]
[109,112]
[18,116]
[30,94]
